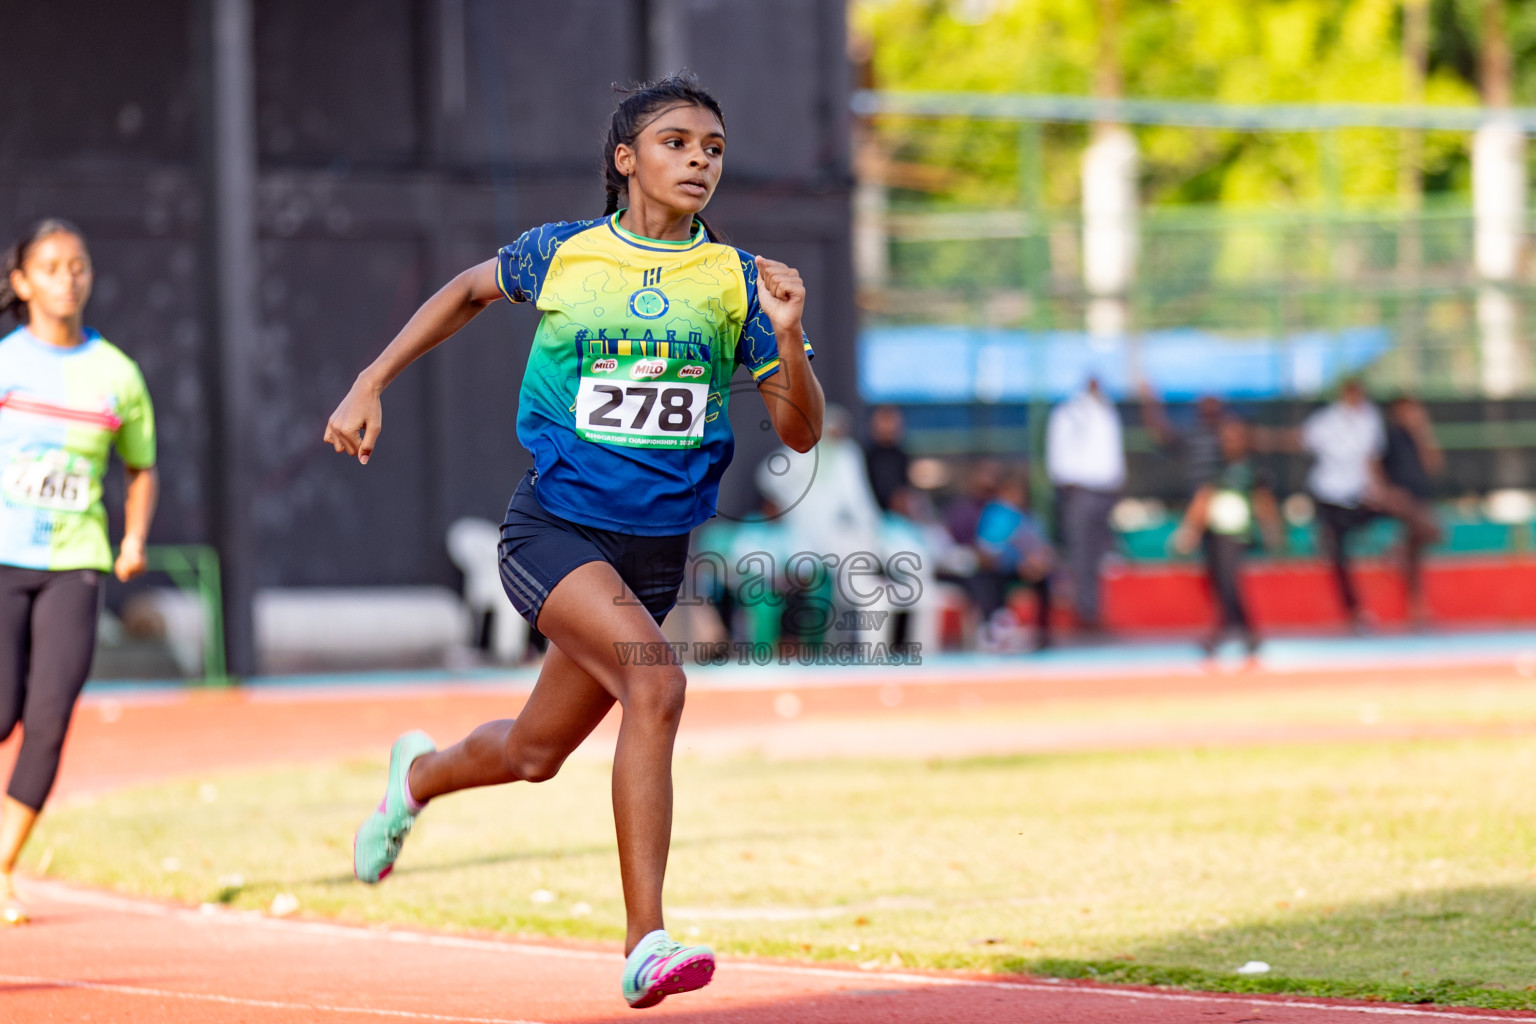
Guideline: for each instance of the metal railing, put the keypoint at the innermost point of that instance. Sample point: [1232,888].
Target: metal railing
[1241,274]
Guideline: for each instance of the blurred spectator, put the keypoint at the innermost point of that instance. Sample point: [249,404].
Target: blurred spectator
[1221,520]
[755,554]
[963,513]
[1085,457]
[824,494]
[1198,446]
[1411,457]
[1348,439]
[985,585]
[918,546]
[1013,545]
[913,510]
[884,456]
[829,516]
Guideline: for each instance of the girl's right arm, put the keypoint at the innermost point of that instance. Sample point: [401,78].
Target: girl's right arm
[354,427]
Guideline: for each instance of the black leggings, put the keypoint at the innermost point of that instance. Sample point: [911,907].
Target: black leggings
[1224,569]
[48,631]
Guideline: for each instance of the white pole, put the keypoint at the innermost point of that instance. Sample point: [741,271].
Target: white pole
[1498,206]
[1109,228]
[871,246]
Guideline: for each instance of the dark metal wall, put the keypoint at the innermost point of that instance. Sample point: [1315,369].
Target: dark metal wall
[400,141]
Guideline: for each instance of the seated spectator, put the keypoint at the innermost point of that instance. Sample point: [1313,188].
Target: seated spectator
[985,585]
[1012,544]
[926,563]
[829,517]
[964,511]
[752,595]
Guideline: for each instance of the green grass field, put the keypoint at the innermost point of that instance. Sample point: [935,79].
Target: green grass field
[1395,869]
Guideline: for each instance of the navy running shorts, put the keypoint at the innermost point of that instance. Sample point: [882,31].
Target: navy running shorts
[539,549]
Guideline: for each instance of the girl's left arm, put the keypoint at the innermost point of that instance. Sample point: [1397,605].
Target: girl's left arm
[1187,537]
[793,395]
[138,512]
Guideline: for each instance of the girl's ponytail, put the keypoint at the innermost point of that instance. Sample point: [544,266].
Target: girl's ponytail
[615,184]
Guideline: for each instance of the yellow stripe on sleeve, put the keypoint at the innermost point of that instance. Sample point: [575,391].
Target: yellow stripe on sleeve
[502,284]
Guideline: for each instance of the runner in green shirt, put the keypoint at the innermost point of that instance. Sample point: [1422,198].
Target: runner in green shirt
[68,399]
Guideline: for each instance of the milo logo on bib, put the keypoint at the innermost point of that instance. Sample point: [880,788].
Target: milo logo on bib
[642,401]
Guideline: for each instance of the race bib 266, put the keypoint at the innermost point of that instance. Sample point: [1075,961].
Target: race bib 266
[49,478]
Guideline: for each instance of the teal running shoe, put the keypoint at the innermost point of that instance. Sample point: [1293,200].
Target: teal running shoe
[660,967]
[380,836]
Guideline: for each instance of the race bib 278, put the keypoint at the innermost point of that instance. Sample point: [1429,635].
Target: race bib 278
[642,401]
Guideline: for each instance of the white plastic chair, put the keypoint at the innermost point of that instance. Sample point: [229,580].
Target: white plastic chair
[472,544]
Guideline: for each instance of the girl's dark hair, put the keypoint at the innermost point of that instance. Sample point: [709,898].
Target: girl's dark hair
[639,108]
[16,258]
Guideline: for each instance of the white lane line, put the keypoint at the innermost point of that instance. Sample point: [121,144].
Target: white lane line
[221,915]
[1128,993]
[266,1004]
[339,931]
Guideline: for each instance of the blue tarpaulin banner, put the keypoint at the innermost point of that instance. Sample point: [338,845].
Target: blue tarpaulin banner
[952,363]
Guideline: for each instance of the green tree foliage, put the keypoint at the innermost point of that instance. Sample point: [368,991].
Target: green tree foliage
[1238,51]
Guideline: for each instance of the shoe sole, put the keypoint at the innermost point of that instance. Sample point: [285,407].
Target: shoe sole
[688,976]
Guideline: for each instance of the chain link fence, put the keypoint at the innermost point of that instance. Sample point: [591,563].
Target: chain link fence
[1237,275]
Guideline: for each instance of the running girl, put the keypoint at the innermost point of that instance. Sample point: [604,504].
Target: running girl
[68,397]
[623,403]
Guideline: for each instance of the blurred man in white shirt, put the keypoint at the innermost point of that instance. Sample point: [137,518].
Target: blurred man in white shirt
[1347,438]
[1085,458]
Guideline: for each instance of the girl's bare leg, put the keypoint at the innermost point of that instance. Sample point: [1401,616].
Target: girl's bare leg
[593,618]
[15,827]
[564,708]
[590,618]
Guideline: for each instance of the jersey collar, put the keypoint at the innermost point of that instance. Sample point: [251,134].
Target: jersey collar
[91,337]
[657,244]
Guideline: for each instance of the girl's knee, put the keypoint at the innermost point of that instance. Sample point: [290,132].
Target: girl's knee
[658,695]
[534,765]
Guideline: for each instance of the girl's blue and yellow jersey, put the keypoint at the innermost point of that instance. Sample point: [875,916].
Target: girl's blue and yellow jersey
[623,404]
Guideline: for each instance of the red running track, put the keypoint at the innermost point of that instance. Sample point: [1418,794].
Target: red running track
[93,956]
